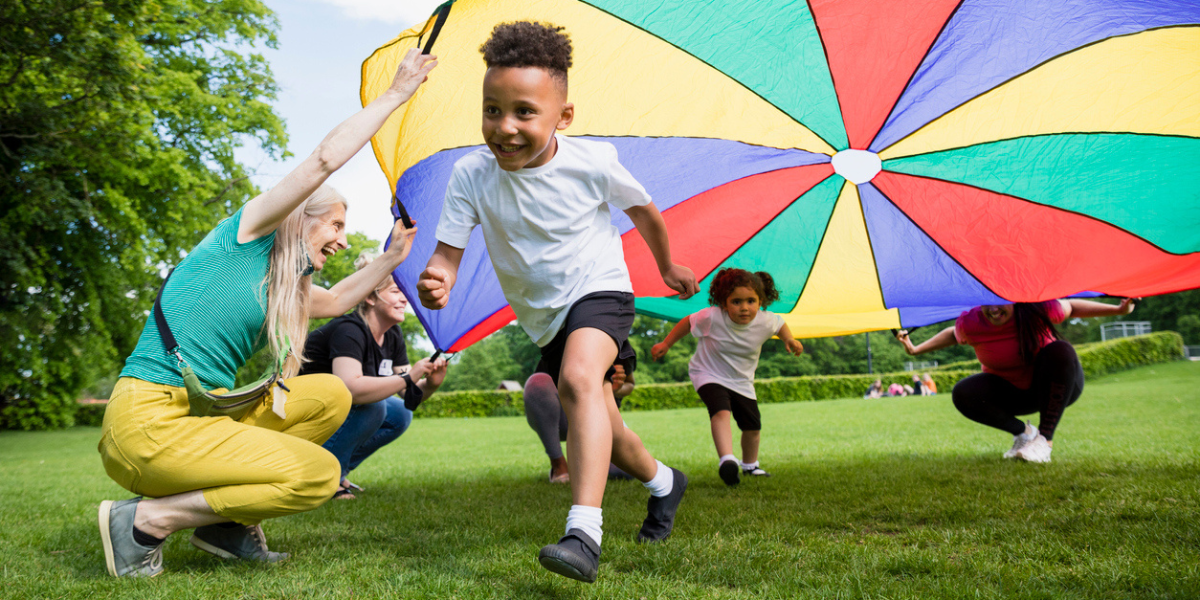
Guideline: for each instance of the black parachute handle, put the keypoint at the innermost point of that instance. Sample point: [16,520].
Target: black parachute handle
[408,224]
[440,13]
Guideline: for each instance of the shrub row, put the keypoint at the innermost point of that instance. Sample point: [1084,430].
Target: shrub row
[1103,358]
[1097,359]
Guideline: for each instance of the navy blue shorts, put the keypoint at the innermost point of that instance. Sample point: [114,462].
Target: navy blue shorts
[610,312]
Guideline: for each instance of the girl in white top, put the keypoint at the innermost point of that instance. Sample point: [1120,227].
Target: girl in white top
[730,335]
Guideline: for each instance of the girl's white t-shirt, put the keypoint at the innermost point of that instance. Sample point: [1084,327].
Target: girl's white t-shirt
[727,353]
[548,229]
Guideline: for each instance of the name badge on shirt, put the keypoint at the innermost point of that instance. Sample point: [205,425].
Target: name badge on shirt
[385,367]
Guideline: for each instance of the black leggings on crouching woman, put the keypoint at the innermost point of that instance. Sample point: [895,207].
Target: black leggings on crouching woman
[992,400]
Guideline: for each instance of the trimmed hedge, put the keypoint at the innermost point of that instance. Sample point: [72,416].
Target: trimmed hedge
[488,403]
[657,396]
[1103,358]
[1097,359]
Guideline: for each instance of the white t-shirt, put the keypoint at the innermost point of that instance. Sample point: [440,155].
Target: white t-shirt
[548,229]
[727,353]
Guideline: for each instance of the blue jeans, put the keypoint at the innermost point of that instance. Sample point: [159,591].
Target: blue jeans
[368,428]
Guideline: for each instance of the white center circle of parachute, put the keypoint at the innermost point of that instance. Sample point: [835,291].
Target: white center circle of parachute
[857,166]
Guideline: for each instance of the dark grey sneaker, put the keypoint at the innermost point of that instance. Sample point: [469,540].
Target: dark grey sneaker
[123,556]
[242,542]
[576,556]
[729,472]
[660,512]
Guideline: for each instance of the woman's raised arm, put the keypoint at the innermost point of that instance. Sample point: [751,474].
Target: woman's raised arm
[264,213]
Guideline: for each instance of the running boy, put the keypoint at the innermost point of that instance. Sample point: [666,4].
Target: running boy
[543,202]
[730,336]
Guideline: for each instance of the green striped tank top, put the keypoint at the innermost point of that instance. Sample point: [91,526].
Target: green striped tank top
[215,303]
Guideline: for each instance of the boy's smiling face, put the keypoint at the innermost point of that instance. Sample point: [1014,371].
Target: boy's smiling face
[522,108]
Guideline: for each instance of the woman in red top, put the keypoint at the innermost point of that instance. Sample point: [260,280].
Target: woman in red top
[1027,368]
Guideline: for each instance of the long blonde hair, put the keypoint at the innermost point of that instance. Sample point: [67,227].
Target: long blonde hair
[288,288]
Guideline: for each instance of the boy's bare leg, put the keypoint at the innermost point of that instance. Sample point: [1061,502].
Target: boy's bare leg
[581,388]
[596,435]
[628,452]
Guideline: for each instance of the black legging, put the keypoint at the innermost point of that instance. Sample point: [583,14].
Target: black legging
[544,413]
[992,400]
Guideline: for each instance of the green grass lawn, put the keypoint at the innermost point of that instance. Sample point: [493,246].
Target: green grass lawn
[891,498]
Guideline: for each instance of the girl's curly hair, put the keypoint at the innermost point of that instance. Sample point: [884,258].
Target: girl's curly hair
[529,44]
[729,279]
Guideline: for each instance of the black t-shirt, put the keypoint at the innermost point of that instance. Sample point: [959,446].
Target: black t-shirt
[349,335]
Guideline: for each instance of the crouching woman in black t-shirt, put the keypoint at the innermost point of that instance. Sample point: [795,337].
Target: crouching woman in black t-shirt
[366,350]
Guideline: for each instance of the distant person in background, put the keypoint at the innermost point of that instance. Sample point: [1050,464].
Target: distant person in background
[928,386]
[918,388]
[1027,367]
[875,390]
[896,390]
[545,415]
[365,349]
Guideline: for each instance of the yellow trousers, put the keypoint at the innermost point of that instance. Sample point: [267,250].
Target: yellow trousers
[257,468]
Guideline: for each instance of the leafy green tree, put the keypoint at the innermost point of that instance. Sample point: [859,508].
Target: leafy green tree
[1170,312]
[648,331]
[502,355]
[118,125]
[1189,327]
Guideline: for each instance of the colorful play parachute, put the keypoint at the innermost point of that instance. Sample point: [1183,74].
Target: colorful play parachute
[890,163]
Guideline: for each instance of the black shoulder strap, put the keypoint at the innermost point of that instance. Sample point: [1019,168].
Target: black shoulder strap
[164,330]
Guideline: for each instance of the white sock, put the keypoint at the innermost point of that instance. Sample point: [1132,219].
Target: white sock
[587,519]
[750,466]
[663,481]
[725,458]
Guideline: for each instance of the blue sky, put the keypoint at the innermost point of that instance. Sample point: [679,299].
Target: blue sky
[322,44]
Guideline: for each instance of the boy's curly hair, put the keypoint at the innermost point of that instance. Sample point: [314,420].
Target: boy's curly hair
[729,279]
[529,44]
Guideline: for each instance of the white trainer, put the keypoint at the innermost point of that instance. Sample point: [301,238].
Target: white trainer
[1037,451]
[1021,440]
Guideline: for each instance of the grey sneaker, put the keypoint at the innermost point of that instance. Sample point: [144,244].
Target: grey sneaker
[123,556]
[1021,440]
[576,556]
[242,542]
[1037,451]
[660,512]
